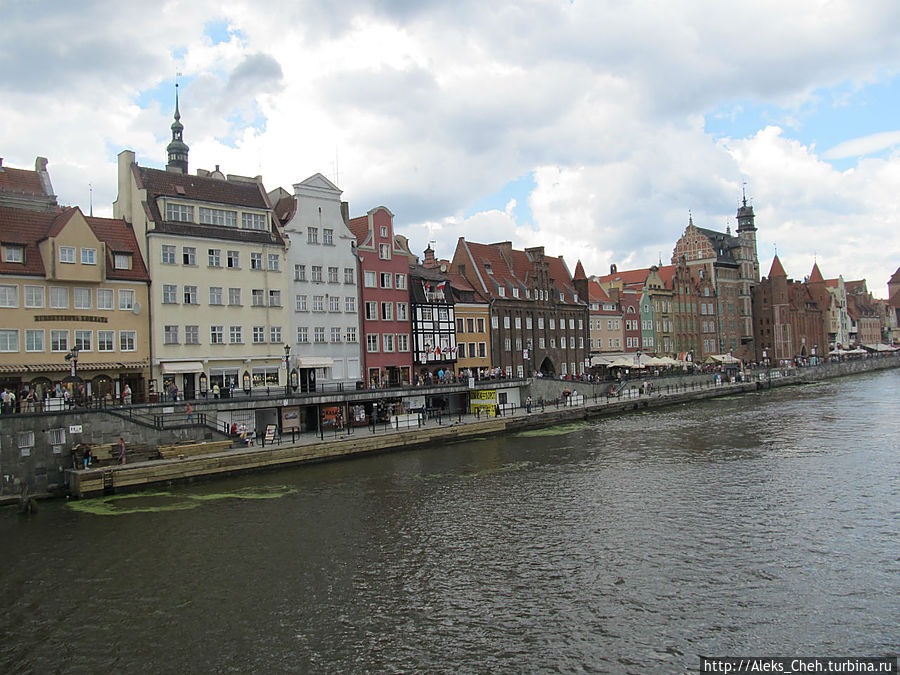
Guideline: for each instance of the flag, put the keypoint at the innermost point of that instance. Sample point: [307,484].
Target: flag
[426,286]
[441,285]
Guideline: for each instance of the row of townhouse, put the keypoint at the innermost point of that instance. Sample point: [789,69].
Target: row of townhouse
[206,283]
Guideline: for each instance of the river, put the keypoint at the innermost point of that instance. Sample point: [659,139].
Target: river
[760,524]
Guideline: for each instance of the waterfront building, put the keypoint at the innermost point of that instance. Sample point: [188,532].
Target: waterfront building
[73,298]
[216,258]
[324,295]
[788,321]
[604,317]
[384,299]
[731,263]
[657,312]
[862,309]
[893,307]
[432,304]
[627,287]
[831,296]
[538,321]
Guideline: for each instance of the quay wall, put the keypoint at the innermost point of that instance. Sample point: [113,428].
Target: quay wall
[47,468]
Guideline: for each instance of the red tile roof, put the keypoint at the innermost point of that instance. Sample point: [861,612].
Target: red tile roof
[21,181]
[579,272]
[29,228]
[777,270]
[815,277]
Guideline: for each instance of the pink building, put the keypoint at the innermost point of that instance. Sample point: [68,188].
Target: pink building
[384,299]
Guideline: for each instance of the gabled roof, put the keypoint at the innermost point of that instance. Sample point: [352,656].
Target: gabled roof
[20,181]
[626,277]
[29,228]
[247,193]
[579,272]
[895,278]
[21,188]
[723,243]
[815,277]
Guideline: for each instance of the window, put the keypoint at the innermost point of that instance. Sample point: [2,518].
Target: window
[67,254]
[253,221]
[168,254]
[495,322]
[371,311]
[482,350]
[552,324]
[259,334]
[9,340]
[257,297]
[350,334]
[275,334]
[214,257]
[518,344]
[233,260]
[34,296]
[302,334]
[318,303]
[82,298]
[105,298]
[427,313]
[34,340]
[216,335]
[540,323]
[386,280]
[501,290]
[299,272]
[59,340]
[312,235]
[256,261]
[274,261]
[332,275]
[169,294]
[234,296]
[443,313]
[387,342]
[15,254]
[461,350]
[335,334]
[528,323]
[572,324]
[88,256]
[507,344]
[541,342]
[402,342]
[319,334]
[236,335]
[300,304]
[180,213]
[122,261]
[317,273]
[518,323]
[106,340]
[460,325]
[481,325]
[189,255]
[400,282]
[370,279]
[349,276]
[350,304]
[170,335]
[192,335]
[506,322]
[334,303]
[372,342]
[190,295]
[384,231]
[387,312]
[515,291]
[472,352]
[384,251]
[126,300]
[216,296]
[127,340]
[402,311]
[25,441]
[552,343]
[328,237]
[274,298]
[218,217]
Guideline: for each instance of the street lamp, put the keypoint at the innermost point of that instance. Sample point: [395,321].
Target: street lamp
[287,364]
[73,357]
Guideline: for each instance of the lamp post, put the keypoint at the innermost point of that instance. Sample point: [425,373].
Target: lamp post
[73,357]
[287,364]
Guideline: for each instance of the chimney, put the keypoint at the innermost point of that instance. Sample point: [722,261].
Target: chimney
[345,212]
[612,269]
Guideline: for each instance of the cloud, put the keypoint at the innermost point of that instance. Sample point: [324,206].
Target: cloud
[866,145]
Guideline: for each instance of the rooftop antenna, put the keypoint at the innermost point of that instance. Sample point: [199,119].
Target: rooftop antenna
[337,167]
[775,244]
[91,191]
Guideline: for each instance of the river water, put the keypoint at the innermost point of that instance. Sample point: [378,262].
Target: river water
[759,524]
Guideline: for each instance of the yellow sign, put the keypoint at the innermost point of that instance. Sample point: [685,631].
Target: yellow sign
[483,395]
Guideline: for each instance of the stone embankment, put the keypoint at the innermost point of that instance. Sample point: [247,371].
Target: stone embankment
[592,401]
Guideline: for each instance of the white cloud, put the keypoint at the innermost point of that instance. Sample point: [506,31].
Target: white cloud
[430,107]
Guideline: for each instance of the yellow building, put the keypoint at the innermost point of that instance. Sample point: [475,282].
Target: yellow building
[73,298]
[473,317]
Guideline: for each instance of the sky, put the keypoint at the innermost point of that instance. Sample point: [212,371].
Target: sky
[594,129]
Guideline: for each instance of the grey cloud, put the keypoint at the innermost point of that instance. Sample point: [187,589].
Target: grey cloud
[257,72]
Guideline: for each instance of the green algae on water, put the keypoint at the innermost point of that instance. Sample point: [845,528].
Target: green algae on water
[558,430]
[154,502]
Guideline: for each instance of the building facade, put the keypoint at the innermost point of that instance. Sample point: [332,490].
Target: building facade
[324,293]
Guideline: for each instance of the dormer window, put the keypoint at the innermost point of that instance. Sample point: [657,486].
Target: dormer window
[67,254]
[515,291]
[88,256]
[122,261]
[14,254]
[487,268]
[501,290]
[179,213]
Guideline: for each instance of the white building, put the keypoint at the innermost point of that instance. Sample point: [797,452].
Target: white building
[324,296]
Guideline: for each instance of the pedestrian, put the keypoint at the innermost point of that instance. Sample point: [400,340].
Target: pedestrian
[190,413]
[126,394]
[121,450]
[528,404]
[216,390]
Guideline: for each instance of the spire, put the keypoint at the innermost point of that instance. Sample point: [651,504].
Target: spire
[579,272]
[177,148]
[745,215]
[777,270]
[815,276]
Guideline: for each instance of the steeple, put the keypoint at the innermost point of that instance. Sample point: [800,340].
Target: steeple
[745,216]
[177,148]
[777,269]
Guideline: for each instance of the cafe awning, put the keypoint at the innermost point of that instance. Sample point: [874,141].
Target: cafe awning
[174,367]
[314,362]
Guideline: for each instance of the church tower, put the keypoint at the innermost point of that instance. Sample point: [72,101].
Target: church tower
[746,231]
[177,148]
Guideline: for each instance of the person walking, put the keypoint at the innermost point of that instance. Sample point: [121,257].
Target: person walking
[190,413]
[528,405]
[121,450]
[126,394]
